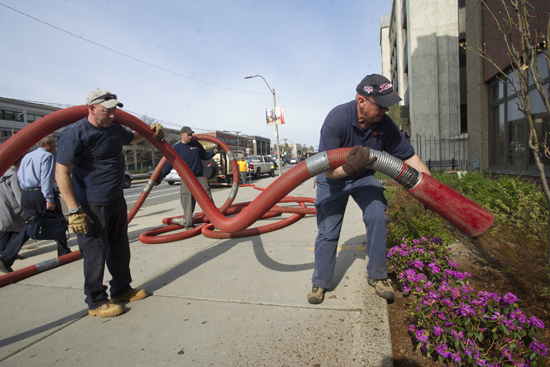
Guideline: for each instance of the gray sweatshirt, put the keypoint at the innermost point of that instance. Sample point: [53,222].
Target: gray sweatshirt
[11,214]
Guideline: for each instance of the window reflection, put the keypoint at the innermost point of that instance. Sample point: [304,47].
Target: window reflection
[516,134]
[498,155]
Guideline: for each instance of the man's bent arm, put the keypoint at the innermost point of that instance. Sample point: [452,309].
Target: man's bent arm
[63,178]
[137,138]
[416,163]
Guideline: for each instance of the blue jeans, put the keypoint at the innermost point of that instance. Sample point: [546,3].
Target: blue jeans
[105,243]
[331,200]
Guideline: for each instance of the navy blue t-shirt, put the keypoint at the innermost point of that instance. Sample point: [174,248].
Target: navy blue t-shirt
[96,153]
[192,154]
[341,129]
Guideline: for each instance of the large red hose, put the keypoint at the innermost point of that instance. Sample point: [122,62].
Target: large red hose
[457,209]
[426,192]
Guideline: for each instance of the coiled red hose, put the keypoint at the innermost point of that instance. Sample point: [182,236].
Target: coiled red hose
[28,136]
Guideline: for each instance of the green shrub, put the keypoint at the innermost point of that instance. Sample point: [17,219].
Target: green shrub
[407,217]
[519,206]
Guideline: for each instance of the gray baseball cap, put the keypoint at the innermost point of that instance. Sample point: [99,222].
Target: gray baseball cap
[187,130]
[104,98]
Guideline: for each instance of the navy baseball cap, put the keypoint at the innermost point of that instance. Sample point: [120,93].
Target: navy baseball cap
[379,87]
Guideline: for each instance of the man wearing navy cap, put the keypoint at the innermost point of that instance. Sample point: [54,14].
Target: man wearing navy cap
[193,153]
[361,124]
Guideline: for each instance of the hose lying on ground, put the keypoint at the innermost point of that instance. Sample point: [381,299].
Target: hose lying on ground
[466,215]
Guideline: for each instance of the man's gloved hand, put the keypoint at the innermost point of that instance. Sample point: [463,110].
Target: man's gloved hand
[159,131]
[358,158]
[78,221]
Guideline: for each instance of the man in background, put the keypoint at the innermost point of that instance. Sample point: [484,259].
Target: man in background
[12,223]
[193,153]
[243,167]
[36,177]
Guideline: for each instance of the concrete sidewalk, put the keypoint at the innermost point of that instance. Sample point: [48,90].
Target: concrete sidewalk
[234,302]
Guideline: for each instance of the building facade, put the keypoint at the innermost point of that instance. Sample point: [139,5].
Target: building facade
[454,104]
[423,63]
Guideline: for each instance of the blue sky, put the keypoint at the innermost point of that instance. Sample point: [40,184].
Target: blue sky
[184,62]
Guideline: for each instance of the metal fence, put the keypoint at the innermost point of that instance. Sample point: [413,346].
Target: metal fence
[439,154]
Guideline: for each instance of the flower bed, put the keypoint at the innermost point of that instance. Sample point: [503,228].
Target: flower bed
[454,323]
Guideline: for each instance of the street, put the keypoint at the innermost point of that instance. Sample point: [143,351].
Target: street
[165,192]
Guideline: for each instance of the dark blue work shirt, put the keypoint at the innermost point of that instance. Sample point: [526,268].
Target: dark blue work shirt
[192,154]
[96,153]
[341,129]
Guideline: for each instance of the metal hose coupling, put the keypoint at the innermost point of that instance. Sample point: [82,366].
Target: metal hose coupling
[395,168]
[385,163]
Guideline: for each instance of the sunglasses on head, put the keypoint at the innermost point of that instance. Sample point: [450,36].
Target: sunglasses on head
[105,97]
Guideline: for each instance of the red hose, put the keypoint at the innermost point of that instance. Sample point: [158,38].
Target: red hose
[457,209]
[18,144]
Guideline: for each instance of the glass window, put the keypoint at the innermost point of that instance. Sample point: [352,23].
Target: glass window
[543,68]
[542,125]
[516,134]
[497,91]
[10,115]
[497,137]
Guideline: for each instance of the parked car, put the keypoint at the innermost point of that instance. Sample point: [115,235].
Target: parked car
[293,161]
[173,177]
[127,179]
[260,164]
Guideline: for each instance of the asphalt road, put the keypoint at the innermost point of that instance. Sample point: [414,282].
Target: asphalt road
[165,192]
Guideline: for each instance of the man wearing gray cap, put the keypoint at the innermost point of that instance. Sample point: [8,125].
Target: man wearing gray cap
[193,153]
[361,124]
[91,151]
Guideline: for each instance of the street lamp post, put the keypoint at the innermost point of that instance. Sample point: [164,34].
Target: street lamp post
[276,128]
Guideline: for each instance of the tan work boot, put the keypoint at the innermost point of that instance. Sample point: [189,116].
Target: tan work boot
[131,295]
[106,310]
[316,295]
[382,287]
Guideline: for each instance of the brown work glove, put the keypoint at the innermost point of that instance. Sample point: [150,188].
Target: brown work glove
[158,181]
[78,221]
[358,158]
[159,131]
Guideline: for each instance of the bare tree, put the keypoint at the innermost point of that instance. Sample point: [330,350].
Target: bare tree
[525,34]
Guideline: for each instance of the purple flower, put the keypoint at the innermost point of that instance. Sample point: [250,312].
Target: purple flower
[506,353]
[434,267]
[442,350]
[518,315]
[539,348]
[418,264]
[438,330]
[536,322]
[412,328]
[510,298]
[456,358]
[422,336]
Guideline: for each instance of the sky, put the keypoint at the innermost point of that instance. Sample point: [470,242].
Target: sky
[183,63]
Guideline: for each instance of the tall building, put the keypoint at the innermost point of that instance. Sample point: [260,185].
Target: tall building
[424,38]
[454,105]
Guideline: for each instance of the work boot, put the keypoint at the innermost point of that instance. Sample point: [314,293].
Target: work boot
[131,295]
[106,310]
[382,287]
[316,295]
[4,267]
